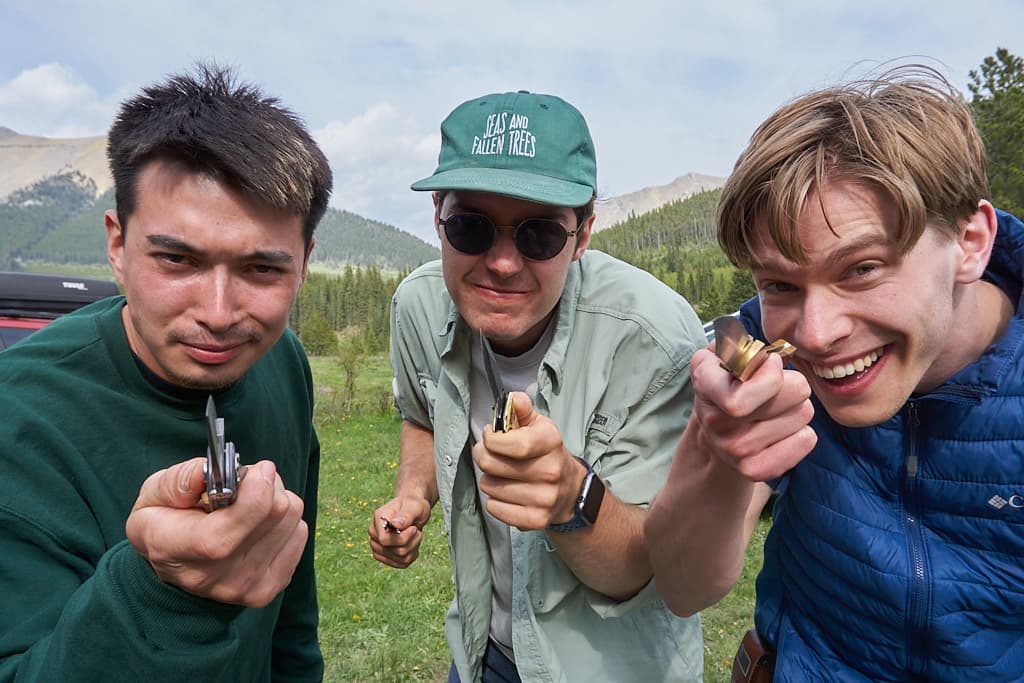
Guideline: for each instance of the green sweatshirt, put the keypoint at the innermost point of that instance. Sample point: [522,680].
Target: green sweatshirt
[80,430]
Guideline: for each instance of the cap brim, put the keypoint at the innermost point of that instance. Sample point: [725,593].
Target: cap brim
[528,186]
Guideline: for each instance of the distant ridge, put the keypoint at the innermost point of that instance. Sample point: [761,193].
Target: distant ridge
[27,159]
[617,209]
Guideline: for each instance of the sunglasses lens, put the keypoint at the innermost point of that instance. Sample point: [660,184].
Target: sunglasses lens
[469,233]
[540,239]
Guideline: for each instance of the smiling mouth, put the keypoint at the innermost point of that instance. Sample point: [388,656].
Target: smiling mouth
[848,369]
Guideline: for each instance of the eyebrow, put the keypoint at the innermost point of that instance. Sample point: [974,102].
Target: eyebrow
[835,257]
[277,256]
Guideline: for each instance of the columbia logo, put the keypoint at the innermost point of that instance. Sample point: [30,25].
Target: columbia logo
[1015,500]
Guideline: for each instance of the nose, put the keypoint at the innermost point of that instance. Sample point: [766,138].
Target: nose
[503,258]
[218,310]
[823,321]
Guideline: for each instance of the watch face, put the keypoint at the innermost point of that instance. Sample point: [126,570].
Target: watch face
[592,496]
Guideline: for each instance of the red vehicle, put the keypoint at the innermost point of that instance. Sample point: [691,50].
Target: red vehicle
[29,301]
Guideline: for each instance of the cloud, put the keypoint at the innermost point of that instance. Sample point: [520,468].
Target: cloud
[52,101]
[667,86]
[375,156]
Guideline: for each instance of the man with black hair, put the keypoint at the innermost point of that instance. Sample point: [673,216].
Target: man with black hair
[111,569]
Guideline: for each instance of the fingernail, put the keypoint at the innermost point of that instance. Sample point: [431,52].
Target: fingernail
[267,471]
[185,477]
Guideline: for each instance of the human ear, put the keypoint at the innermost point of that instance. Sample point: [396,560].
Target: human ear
[115,244]
[583,238]
[977,236]
[305,260]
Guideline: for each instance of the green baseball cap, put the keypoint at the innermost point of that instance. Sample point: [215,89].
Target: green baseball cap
[518,144]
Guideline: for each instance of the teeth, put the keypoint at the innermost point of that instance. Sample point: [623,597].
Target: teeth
[840,371]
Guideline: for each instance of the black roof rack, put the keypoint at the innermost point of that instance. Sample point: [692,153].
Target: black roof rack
[49,296]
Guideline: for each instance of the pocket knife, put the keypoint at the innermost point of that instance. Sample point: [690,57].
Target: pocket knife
[740,353]
[504,418]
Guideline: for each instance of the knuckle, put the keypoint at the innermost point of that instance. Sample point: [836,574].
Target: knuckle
[741,444]
[214,547]
[733,406]
[261,597]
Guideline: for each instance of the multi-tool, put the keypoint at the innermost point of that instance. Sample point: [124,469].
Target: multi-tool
[222,471]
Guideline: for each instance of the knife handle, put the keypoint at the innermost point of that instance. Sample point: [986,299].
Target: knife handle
[505,418]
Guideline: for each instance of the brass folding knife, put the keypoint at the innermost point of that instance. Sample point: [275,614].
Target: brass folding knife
[740,353]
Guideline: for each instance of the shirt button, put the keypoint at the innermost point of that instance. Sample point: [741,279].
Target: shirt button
[448,460]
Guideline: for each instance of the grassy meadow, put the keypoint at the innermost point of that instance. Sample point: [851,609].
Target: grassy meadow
[384,624]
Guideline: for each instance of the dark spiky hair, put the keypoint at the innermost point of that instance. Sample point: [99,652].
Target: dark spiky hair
[230,131]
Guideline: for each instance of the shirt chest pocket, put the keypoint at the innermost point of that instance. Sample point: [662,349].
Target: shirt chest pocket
[601,430]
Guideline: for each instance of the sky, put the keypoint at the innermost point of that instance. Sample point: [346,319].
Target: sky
[668,87]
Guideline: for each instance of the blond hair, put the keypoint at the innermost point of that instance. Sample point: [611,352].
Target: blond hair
[907,133]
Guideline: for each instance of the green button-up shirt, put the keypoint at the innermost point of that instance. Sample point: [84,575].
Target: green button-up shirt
[616,382]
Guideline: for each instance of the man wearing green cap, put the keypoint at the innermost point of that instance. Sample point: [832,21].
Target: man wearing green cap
[543,505]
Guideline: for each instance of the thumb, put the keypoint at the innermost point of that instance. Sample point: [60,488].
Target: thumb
[178,486]
[407,514]
[523,407]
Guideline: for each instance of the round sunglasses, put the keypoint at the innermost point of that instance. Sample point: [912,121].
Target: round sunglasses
[538,239]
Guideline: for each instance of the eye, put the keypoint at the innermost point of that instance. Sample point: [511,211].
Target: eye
[769,287]
[171,259]
[863,268]
[864,271]
[265,271]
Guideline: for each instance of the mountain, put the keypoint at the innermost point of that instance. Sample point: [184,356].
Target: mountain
[58,220]
[33,214]
[64,169]
[347,238]
[53,193]
[618,209]
[26,159]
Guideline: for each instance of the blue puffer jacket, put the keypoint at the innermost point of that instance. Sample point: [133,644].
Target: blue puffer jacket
[897,551]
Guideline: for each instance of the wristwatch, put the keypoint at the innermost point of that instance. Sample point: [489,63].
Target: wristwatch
[588,503]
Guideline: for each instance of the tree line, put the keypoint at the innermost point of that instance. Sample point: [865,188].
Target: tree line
[677,243]
[345,313]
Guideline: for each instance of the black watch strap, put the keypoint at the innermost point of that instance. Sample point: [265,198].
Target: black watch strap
[588,502]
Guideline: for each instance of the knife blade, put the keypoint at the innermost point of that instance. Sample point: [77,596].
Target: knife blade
[740,353]
[504,417]
[222,470]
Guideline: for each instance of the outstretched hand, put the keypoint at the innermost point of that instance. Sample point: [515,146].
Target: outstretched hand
[245,553]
